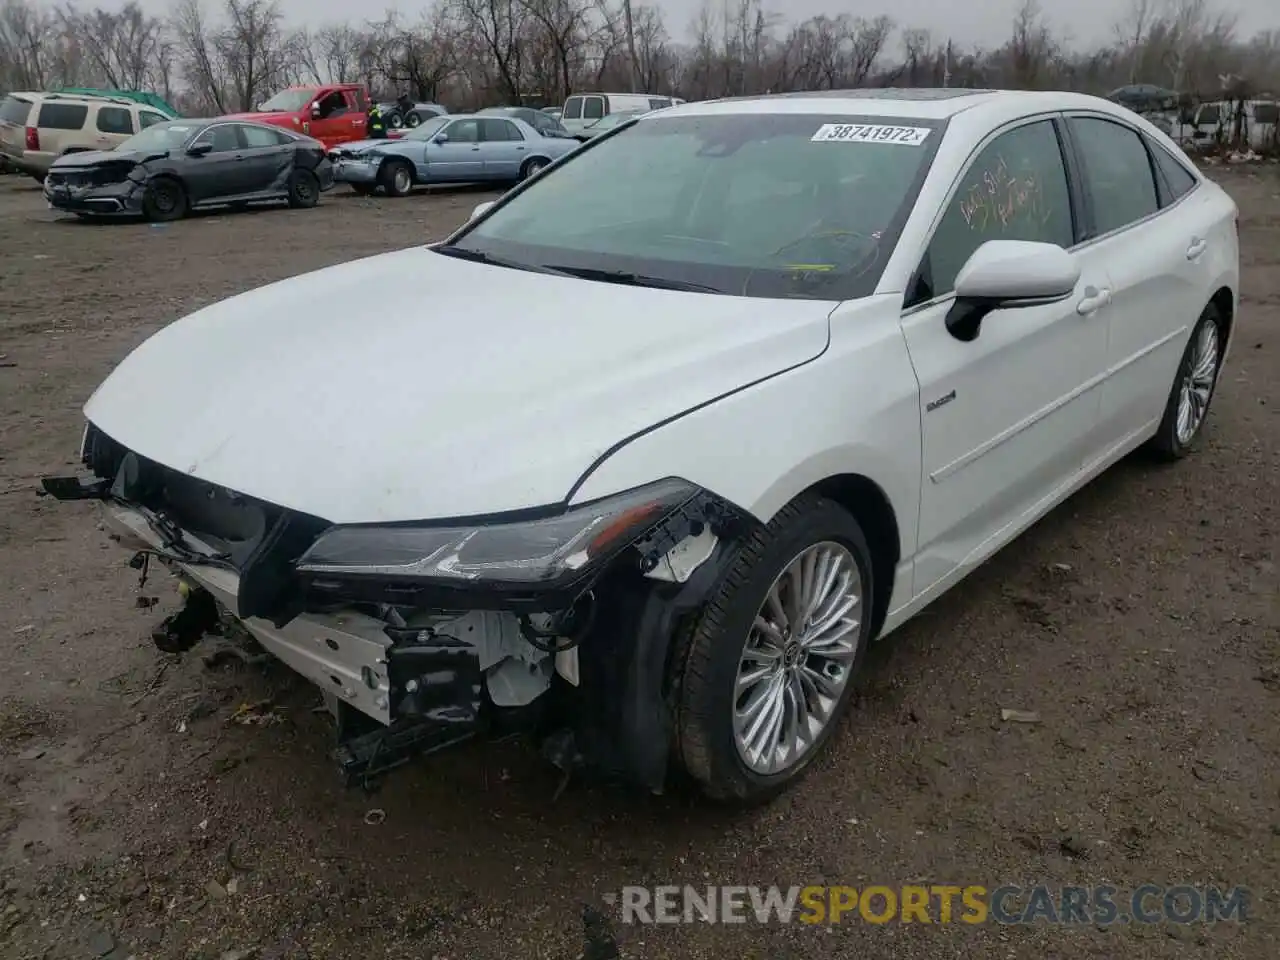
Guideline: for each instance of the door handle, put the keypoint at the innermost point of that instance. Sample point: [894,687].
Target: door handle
[238,156]
[1198,247]
[1094,300]
[521,147]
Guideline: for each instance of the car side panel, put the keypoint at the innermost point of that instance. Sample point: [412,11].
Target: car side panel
[1160,288]
[853,410]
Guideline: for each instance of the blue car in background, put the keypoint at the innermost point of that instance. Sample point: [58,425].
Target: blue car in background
[451,149]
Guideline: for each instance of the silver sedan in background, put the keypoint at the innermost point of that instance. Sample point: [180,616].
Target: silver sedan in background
[452,149]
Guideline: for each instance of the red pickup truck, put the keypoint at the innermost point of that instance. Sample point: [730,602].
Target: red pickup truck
[334,113]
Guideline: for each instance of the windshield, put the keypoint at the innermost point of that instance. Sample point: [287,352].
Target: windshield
[159,136]
[760,205]
[427,129]
[288,101]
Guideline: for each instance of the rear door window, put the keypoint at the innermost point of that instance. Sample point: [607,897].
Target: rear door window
[1266,112]
[493,129]
[63,116]
[573,108]
[115,120]
[15,110]
[592,108]
[658,103]
[146,118]
[1117,173]
[256,138]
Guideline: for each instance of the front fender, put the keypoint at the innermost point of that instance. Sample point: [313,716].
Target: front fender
[853,410]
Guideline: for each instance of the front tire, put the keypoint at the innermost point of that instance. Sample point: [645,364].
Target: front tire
[532,167]
[764,673]
[1193,388]
[304,189]
[165,200]
[396,177]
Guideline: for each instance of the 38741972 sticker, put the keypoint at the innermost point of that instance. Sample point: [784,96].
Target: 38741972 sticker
[871,133]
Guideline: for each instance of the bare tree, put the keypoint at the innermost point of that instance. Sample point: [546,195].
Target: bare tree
[1031,48]
[128,50]
[201,61]
[28,39]
[497,24]
[253,47]
[212,56]
[1132,29]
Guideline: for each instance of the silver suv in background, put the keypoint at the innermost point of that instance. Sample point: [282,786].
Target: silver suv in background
[37,128]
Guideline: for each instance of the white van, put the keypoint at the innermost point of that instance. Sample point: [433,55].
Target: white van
[583,109]
[1216,123]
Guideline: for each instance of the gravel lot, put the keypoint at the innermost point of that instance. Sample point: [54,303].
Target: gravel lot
[1140,621]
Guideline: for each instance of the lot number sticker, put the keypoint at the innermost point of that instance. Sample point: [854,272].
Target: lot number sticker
[870,133]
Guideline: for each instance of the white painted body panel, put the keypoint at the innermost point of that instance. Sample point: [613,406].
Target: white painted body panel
[493,390]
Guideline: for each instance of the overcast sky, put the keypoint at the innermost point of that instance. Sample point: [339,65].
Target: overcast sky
[966,21]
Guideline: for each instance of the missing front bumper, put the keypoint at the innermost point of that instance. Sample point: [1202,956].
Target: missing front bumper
[401,691]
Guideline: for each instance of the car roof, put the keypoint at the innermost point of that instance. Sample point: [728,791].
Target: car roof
[926,104]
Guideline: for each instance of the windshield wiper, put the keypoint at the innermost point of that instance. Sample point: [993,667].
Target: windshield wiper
[636,279]
[479,256]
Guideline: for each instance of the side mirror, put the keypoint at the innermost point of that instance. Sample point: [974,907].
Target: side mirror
[481,209]
[440,138]
[1003,274]
[200,149]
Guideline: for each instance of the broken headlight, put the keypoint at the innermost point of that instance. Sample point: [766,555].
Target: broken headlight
[548,551]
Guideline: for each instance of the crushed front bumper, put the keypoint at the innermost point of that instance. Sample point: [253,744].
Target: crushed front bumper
[349,170]
[343,654]
[439,672]
[116,198]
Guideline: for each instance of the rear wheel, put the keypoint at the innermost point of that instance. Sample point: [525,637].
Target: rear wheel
[396,177]
[763,674]
[1193,388]
[304,189]
[413,120]
[164,200]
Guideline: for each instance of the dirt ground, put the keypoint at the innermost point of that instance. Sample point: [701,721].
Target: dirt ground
[1140,621]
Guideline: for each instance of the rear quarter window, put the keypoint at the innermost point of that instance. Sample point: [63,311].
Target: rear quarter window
[62,116]
[115,120]
[14,110]
[1266,112]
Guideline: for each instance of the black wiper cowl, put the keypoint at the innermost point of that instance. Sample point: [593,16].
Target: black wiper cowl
[629,279]
[479,256]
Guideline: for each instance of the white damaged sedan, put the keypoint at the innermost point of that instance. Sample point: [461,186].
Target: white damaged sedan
[684,423]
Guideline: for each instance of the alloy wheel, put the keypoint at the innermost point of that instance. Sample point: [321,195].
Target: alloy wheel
[798,658]
[1197,385]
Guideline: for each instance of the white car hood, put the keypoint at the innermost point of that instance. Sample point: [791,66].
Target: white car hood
[412,385]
